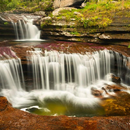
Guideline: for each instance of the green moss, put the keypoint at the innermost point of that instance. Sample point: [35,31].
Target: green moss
[94,14]
[46,22]
[6,23]
[75,33]
[119,105]
[27,6]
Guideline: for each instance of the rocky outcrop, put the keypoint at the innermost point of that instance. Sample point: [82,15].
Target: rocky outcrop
[67,3]
[14,119]
[69,30]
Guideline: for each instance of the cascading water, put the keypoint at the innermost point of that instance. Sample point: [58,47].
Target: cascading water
[63,80]
[25,30]
[54,70]
[11,74]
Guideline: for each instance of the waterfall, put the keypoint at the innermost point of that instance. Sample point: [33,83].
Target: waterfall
[61,79]
[53,70]
[11,74]
[24,29]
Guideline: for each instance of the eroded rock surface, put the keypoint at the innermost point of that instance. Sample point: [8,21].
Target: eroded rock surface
[14,119]
[69,30]
[119,105]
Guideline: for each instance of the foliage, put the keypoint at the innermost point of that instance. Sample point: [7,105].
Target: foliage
[94,14]
[30,5]
[46,22]
[3,4]
[12,4]
[75,33]
[6,23]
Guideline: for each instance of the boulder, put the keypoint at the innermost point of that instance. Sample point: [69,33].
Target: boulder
[116,79]
[67,3]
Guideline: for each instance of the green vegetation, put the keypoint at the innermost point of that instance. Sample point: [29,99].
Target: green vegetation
[26,5]
[46,22]
[6,23]
[75,33]
[3,5]
[94,14]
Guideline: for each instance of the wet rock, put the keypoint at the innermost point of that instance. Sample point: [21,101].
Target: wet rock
[96,93]
[116,79]
[113,88]
[3,103]
[21,52]
[119,105]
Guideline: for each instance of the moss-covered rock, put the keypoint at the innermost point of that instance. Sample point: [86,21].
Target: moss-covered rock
[119,105]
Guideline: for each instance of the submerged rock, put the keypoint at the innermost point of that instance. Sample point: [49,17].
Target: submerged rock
[96,93]
[119,105]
